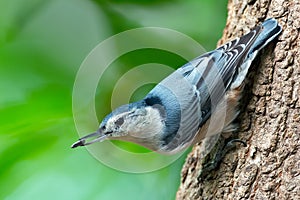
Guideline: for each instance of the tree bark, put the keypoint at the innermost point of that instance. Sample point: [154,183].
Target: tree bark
[269,167]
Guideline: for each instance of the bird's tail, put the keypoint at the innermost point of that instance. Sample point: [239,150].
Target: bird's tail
[268,31]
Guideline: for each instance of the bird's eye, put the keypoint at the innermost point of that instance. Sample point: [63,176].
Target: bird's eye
[119,121]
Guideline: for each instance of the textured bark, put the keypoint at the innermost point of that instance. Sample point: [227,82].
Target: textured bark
[269,167]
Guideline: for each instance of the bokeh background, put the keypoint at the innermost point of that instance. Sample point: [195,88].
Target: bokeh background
[42,44]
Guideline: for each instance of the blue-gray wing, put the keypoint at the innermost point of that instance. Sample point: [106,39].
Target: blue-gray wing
[213,72]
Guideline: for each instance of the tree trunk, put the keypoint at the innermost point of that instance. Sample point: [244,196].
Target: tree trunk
[269,167]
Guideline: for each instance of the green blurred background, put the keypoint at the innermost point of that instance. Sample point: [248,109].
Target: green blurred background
[42,44]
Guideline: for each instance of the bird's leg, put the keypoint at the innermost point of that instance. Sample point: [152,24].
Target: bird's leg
[214,158]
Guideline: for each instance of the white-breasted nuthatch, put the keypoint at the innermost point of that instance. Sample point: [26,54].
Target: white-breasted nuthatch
[199,99]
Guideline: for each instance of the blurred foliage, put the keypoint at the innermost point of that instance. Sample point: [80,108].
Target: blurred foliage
[42,44]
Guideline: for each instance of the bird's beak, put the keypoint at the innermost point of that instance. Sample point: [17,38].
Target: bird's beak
[98,137]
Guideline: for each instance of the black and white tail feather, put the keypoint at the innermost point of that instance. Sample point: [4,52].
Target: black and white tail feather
[266,33]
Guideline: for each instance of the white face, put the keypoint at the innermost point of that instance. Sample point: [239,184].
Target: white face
[139,123]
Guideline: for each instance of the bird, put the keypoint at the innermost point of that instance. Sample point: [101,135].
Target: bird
[198,100]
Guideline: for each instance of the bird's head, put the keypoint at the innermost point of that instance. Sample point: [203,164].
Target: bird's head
[134,122]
